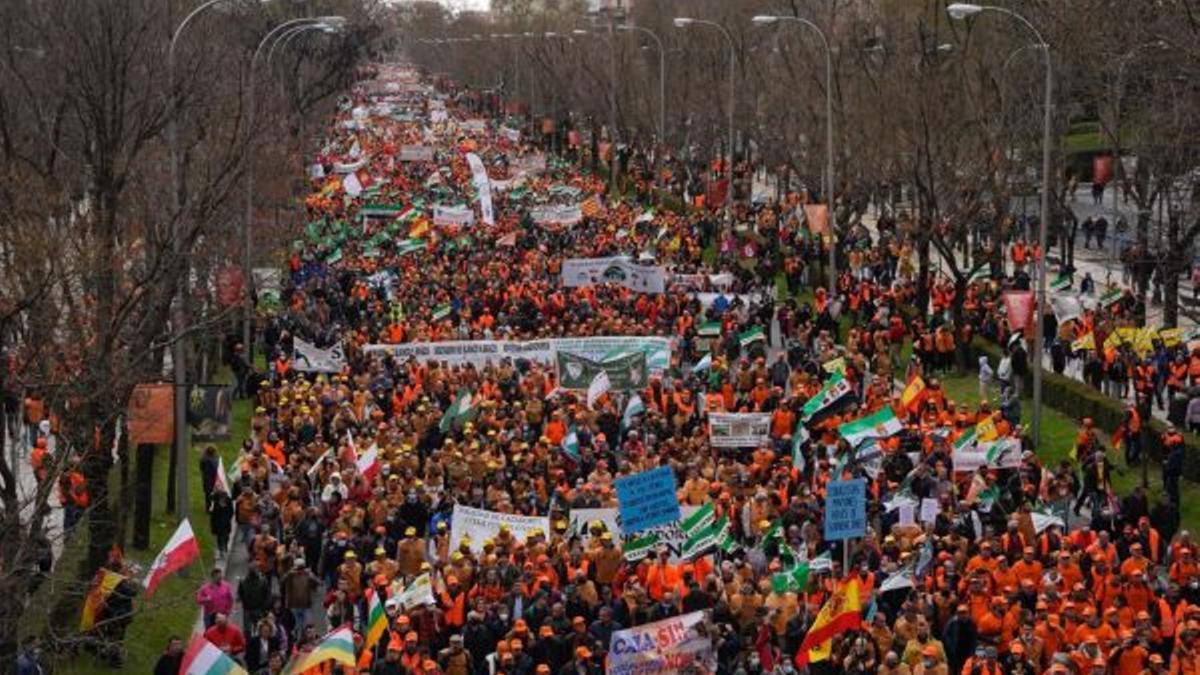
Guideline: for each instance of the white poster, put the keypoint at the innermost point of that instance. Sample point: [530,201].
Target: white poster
[680,644]
[480,352]
[457,216]
[311,359]
[738,430]
[438,116]
[416,153]
[479,524]
[556,215]
[483,186]
[419,592]
[578,272]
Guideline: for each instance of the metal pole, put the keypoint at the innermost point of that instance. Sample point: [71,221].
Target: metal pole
[1047,124]
[179,315]
[612,108]
[832,221]
[732,99]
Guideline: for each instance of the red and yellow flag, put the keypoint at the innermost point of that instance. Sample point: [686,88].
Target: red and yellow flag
[842,612]
[102,586]
[913,394]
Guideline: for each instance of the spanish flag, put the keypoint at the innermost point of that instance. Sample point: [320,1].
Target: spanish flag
[103,585]
[842,612]
[986,430]
[913,394]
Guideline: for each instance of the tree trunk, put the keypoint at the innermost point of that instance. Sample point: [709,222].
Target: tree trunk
[143,504]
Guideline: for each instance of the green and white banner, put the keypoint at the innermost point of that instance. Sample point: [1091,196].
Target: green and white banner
[835,388]
[880,424]
[626,372]
[480,352]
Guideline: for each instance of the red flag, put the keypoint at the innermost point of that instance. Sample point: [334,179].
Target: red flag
[181,550]
[368,463]
[1020,310]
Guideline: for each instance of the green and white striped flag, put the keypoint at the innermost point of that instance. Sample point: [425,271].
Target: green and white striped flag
[441,312]
[1060,283]
[773,532]
[752,335]
[699,521]
[703,364]
[880,424]
[798,437]
[410,246]
[981,273]
[636,549]
[724,535]
[570,443]
[633,408]
[458,411]
[709,329]
[1110,296]
[988,497]
[835,388]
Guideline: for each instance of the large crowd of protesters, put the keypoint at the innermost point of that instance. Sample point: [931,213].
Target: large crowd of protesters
[1021,566]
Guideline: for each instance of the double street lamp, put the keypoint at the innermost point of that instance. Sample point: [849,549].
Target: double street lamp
[685,22]
[960,11]
[765,20]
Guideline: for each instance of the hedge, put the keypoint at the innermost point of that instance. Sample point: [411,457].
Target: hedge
[1078,400]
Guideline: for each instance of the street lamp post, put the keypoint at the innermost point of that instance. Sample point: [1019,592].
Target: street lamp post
[179,316]
[684,22]
[662,77]
[1118,89]
[960,11]
[763,20]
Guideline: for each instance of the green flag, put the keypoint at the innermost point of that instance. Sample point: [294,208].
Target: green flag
[636,549]
[752,335]
[441,312]
[459,411]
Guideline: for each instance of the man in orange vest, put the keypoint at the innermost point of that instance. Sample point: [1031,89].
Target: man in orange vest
[454,604]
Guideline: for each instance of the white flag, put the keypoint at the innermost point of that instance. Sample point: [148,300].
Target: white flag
[597,388]
[351,185]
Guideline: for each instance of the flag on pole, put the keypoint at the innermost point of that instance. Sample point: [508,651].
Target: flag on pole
[1110,296]
[570,443]
[986,430]
[1084,342]
[204,658]
[703,364]
[441,312]
[752,335]
[633,408]
[880,424]
[599,386]
[709,329]
[902,578]
[352,185]
[102,586]
[410,245]
[337,646]
[460,410]
[1060,283]
[181,550]
[842,612]
[636,549]
[798,437]
[368,463]
[220,481]
[377,621]
[913,394]
[834,389]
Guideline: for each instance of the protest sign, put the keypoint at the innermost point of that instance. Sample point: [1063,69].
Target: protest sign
[475,124]
[556,215]
[647,499]
[416,153]
[149,417]
[846,509]
[456,216]
[528,164]
[311,359]
[625,372]
[738,430]
[478,524]
[578,272]
[480,352]
[676,645]
[929,510]
[417,593]
[210,412]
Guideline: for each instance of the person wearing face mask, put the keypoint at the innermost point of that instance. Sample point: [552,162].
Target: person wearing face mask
[892,665]
[921,643]
[930,663]
[390,665]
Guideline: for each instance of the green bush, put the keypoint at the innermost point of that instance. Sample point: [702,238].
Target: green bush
[1078,400]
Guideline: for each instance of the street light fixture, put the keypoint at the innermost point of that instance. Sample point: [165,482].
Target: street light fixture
[684,22]
[960,11]
[766,20]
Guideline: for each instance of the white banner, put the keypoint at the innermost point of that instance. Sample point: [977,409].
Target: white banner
[458,216]
[676,645]
[589,271]
[513,135]
[419,592]
[738,430]
[1004,453]
[483,186]
[339,167]
[479,525]
[480,352]
[532,163]
[556,215]
[707,299]
[671,535]
[695,282]
[416,153]
[311,359]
